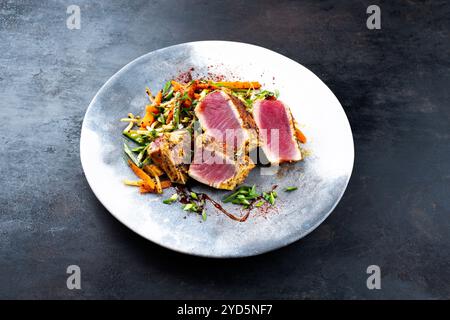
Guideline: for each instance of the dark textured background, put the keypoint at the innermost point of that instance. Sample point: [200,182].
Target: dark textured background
[394,84]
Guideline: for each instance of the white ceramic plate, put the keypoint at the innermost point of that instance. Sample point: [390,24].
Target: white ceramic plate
[321,178]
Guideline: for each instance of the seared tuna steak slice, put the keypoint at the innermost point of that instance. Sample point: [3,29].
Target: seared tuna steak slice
[225,118]
[171,152]
[212,167]
[276,131]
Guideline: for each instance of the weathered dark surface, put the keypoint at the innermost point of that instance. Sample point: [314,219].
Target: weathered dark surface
[393,83]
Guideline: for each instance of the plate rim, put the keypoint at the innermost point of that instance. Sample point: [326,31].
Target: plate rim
[279,246]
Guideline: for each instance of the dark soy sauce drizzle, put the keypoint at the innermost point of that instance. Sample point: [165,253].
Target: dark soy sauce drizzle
[185,197]
[218,206]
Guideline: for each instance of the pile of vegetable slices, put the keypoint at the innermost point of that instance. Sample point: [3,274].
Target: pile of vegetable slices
[172,108]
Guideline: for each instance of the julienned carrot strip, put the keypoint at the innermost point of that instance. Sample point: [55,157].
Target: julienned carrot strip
[202,86]
[191,90]
[158,183]
[151,109]
[300,136]
[176,85]
[148,184]
[166,184]
[149,117]
[170,115]
[155,172]
[158,98]
[187,103]
[151,168]
[144,189]
[147,120]
[239,84]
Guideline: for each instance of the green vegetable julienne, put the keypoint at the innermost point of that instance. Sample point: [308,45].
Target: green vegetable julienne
[173,198]
[176,117]
[169,95]
[131,155]
[188,207]
[161,118]
[138,138]
[259,203]
[138,149]
[241,195]
[166,87]
[288,189]
[194,195]
[271,198]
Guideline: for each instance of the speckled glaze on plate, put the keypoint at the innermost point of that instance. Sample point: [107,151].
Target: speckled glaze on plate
[321,178]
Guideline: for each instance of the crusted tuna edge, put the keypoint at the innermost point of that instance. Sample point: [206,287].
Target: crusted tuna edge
[268,154]
[242,171]
[248,122]
[293,138]
[162,156]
